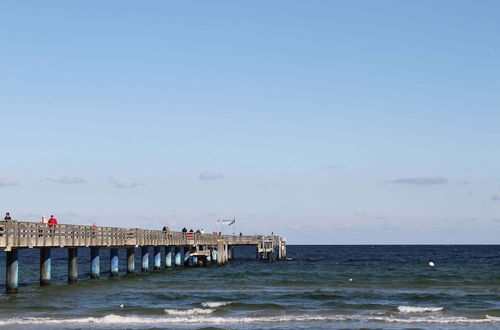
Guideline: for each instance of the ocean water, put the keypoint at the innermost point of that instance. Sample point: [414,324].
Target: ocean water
[321,287]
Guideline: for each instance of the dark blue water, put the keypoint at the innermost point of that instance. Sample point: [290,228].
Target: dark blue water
[322,287]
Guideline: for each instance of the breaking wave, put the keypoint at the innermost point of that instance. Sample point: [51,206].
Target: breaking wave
[417,309]
[215,304]
[193,311]
[192,318]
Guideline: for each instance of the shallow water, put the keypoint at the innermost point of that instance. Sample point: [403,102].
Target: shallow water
[322,287]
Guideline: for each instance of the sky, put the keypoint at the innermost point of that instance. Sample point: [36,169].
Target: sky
[327,122]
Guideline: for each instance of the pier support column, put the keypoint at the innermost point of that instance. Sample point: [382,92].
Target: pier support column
[209,257]
[226,253]
[72,265]
[230,252]
[168,256]
[145,259]
[157,258]
[178,260]
[95,263]
[45,266]
[214,255]
[186,256]
[113,263]
[12,271]
[130,260]
[220,253]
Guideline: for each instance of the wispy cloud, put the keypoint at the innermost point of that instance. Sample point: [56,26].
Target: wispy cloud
[495,198]
[210,176]
[423,181]
[121,184]
[65,179]
[7,182]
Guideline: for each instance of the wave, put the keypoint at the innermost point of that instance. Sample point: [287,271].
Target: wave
[193,311]
[113,319]
[215,304]
[417,309]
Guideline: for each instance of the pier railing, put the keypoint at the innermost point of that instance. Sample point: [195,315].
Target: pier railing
[21,234]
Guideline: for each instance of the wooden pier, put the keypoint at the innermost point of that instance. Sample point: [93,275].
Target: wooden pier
[179,249]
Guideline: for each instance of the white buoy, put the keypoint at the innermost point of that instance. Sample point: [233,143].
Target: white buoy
[431,264]
[350,280]
[121,306]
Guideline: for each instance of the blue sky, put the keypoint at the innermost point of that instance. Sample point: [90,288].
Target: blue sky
[334,122]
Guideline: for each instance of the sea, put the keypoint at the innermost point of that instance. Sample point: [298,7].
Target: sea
[317,287]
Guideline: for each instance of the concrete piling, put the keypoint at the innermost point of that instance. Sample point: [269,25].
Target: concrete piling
[209,257]
[72,265]
[186,256]
[157,258]
[45,266]
[214,255]
[12,274]
[168,256]
[220,253]
[95,264]
[145,259]
[130,260]
[178,256]
[113,263]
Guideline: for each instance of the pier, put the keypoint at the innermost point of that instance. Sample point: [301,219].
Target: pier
[170,248]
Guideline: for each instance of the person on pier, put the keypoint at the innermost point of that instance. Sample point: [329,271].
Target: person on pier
[184,230]
[7,218]
[44,222]
[52,221]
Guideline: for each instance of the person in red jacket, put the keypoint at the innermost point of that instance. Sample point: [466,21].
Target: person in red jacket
[52,222]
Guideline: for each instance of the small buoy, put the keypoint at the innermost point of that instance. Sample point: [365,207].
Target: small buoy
[350,280]
[121,306]
[431,264]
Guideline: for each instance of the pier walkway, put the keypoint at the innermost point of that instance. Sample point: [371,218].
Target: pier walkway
[170,248]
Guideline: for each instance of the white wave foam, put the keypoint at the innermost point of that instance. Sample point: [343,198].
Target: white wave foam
[193,319]
[417,309]
[215,304]
[194,311]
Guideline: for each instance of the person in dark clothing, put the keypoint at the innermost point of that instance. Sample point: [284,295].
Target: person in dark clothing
[7,218]
[198,231]
[184,230]
[164,228]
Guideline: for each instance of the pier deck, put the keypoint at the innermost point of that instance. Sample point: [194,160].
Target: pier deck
[180,248]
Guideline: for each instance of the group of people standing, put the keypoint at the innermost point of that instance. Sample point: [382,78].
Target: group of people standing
[199,231]
[51,222]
